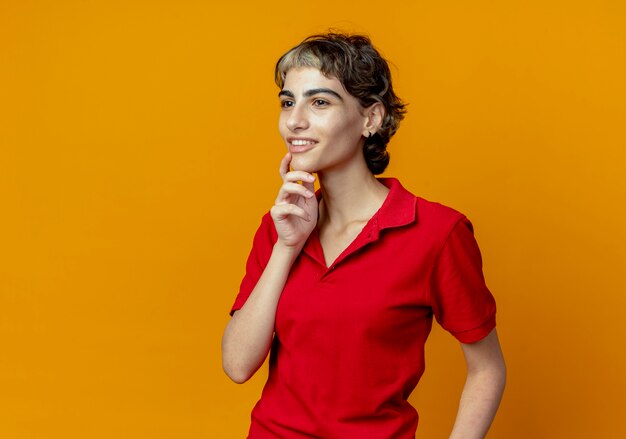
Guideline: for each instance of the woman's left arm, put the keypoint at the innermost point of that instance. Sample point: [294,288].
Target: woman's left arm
[486,377]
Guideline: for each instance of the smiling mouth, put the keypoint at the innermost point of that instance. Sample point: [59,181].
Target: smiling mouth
[297,142]
[301,145]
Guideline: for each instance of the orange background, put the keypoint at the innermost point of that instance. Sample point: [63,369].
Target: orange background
[138,150]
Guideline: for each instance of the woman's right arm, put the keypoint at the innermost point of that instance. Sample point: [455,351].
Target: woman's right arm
[248,336]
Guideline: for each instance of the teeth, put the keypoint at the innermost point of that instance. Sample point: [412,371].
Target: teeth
[301,142]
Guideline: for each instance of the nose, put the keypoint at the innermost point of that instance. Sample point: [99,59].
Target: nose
[297,119]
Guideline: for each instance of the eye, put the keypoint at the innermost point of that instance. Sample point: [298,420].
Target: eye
[320,102]
[286,103]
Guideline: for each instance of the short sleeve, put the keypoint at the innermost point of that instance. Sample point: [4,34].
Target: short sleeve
[262,245]
[461,301]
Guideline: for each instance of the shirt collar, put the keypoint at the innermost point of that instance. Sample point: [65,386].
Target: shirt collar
[399,208]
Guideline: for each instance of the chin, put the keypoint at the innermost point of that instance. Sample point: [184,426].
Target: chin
[303,165]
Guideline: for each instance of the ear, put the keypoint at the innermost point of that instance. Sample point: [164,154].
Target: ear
[374,116]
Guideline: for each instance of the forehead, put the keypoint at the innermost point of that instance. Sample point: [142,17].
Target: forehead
[300,79]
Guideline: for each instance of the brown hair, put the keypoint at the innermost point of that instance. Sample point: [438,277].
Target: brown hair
[362,71]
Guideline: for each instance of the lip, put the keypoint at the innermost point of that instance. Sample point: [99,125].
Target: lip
[300,148]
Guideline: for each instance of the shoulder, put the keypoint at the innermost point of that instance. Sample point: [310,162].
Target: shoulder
[427,213]
[437,215]
[267,222]
[426,210]
[440,221]
[429,219]
[265,235]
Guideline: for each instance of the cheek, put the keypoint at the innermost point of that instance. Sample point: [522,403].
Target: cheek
[282,128]
[347,129]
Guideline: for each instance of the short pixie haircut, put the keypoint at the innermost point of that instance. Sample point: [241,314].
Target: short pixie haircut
[362,71]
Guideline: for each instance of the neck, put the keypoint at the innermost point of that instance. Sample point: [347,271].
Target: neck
[349,196]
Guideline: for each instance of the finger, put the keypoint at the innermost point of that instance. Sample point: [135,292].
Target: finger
[299,176]
[309,184]
[288,189]
[282,211]
[284,165]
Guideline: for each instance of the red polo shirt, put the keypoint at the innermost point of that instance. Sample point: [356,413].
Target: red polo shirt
[349,339]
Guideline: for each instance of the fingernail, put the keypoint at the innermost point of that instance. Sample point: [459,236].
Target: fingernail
[309,193]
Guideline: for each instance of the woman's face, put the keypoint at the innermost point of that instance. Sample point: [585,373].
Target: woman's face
[321,123]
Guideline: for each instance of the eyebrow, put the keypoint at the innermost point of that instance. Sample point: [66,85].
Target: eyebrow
[311,92]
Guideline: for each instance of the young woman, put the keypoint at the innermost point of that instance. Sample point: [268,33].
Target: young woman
[341,286]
